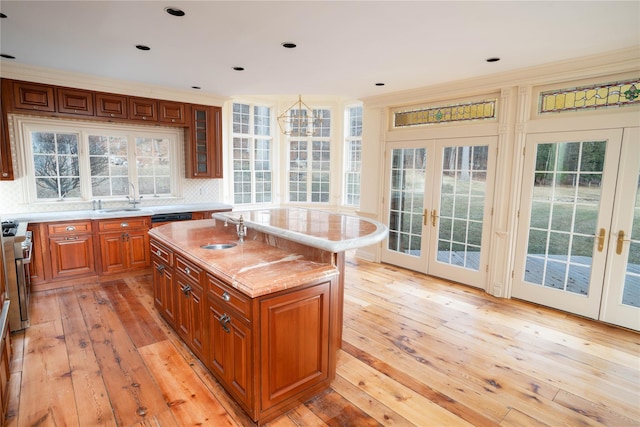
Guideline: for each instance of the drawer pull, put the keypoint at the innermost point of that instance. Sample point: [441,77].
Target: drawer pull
[226,297]
[71,238]
[124,224]
[187,270]
[224,321]
[158,252]
[71,228]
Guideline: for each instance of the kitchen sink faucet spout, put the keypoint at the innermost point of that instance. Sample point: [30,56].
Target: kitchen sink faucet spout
[132,199]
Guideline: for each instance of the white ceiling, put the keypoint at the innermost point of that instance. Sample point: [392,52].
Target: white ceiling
[344,47]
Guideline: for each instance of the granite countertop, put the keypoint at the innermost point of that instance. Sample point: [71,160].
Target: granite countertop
[329,231]
[252,267]
[114,212]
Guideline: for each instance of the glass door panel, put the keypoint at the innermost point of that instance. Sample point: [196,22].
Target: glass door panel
[565,213]
[621,295]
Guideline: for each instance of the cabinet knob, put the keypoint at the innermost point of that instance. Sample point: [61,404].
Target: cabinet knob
[226,297]
[158,252]
[187,270]
[5,174]
[113,115]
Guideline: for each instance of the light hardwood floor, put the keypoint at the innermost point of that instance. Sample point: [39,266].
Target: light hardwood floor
[417,351]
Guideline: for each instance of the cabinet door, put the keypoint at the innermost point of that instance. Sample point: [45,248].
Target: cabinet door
[230,351]
[37,266]
[143,109]
[33,97]
[163,291]
[71,255]
[74,101]
[137,247]
[172,112]
[190,314]
[112,252]
[295,345]
[204,148]
[6,164]
[111,105]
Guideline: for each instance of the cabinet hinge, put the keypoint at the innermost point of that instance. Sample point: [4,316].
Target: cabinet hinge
[513,274]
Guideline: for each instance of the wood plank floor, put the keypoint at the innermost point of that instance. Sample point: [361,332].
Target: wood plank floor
[417,351]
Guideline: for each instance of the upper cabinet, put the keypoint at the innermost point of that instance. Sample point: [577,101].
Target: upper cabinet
[112,106]
[204,143]
[203,124]
[75,101]
[143,109]
[33,97]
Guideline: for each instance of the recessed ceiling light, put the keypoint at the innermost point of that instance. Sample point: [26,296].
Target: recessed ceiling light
[2,15]
[493,59]
[289,45]
[238,68]
[195,87]
[4,55]
[379,84]
[142,47]
[174,11]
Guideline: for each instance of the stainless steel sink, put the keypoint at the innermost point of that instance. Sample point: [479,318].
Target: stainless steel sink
[218,246]
[114,210]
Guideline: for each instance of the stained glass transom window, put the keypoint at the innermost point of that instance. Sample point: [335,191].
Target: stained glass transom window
[479,110]
[616,94]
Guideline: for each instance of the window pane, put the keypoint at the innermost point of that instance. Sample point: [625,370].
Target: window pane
[56,165]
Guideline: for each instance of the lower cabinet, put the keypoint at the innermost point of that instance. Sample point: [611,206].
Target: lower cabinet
[124,244]
[71,249]
[269,352]
[5,359]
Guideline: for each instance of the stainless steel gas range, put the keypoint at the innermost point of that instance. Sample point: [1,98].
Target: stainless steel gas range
[17,246]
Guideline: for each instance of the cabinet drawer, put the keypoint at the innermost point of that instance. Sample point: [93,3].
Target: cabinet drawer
[163,254]
[123,224]
[69,227]
[188,269]
[229,297]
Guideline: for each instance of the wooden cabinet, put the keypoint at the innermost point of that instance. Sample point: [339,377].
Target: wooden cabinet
[204,144]
[163,289]
[172,112]
[124,244]
[144,109]
[6,165]
[75,101]
[190,306]
[5,359]
[33,97]
[112,106]
[268,352]
[230,352]
[71,249]
[39,257]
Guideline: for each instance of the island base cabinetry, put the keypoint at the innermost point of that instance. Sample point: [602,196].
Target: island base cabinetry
[270,352]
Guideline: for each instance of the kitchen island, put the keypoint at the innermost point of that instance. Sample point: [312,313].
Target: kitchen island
[265,314]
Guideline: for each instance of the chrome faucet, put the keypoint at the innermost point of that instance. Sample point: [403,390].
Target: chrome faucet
[133,200]
[241,229]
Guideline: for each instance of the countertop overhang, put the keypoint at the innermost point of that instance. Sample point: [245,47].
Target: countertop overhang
[333,232]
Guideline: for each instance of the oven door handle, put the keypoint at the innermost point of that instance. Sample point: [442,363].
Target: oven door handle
[27,260]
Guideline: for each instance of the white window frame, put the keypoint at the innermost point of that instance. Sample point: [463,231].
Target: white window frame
[252,138]
[349,165]
[309,169]
[23,126]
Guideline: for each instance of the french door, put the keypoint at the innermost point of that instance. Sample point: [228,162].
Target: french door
[579,231]
[438,205]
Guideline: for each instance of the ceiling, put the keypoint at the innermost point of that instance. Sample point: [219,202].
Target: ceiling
[343,47]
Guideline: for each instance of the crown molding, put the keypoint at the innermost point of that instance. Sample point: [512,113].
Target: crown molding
[18,71]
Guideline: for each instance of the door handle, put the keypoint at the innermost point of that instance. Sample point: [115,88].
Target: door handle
[425,215]
[620,242]
[601,237]
[434,217]
[224,322]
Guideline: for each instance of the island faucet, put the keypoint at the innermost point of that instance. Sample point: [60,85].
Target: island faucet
[241,229]
[133,200]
